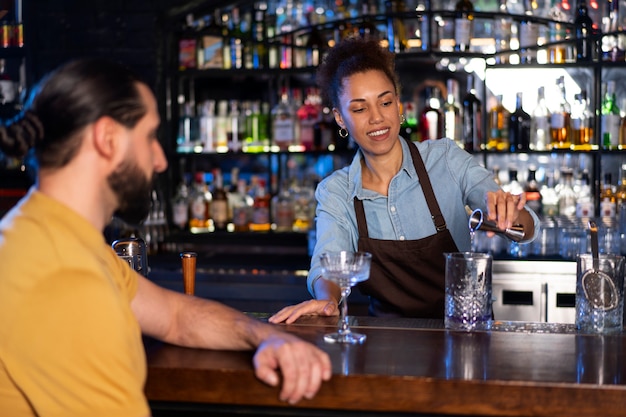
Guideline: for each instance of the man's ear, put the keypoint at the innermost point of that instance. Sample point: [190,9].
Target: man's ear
[106,137]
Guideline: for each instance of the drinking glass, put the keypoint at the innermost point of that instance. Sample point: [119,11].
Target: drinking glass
[346,269]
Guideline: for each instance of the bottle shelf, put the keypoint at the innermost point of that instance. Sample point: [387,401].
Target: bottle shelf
[413,61]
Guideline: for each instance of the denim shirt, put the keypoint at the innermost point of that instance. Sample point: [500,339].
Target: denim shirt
[457,180]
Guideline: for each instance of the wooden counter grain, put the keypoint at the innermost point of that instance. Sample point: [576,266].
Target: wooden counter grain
[405,367]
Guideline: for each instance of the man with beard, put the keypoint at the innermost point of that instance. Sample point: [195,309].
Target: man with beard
[72,311]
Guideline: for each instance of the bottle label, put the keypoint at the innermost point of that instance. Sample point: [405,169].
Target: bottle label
[584,209]
[261,215]
[219,211]
[462,29]
[283,130]
[607,208]
[610,129]
[557,120]
[529,32]
[198,209]
[180,214]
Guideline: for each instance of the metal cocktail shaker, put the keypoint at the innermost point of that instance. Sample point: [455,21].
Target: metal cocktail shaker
[133,250]
[478,222]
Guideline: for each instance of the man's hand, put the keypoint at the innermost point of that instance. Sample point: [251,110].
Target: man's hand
[290,314]
[302,365]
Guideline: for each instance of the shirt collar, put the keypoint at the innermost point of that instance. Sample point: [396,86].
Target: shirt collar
[355,182]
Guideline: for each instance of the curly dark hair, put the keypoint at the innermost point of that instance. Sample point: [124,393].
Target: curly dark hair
[67,100]
[351,56]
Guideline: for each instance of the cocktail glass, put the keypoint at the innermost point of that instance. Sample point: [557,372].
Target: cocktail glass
[346,269]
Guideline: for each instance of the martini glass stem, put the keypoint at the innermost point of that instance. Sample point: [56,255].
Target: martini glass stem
[345,328]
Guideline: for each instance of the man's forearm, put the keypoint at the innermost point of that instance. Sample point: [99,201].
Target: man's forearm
[213,325]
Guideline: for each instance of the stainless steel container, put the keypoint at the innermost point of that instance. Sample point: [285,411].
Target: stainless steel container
[133,250]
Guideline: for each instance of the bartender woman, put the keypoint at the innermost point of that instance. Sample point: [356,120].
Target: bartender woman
[401,201]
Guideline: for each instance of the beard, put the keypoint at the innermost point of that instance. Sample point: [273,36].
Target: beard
[133,191]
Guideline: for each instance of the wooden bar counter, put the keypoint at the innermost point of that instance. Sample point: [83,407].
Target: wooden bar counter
[410,367]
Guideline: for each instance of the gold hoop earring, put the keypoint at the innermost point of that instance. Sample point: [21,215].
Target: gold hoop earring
[343,133]
[402,119]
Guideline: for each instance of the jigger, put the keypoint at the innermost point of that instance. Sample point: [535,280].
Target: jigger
[189,271]
[478,222]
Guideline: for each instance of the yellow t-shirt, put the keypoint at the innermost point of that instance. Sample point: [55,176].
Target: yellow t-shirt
[69,342]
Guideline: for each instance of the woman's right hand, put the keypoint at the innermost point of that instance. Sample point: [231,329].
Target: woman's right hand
[290,314]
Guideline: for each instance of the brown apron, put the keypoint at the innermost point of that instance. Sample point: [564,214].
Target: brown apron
[407,277]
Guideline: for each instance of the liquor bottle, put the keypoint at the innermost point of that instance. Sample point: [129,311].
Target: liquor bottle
[453,123]
[549,197]
[463,25]
[557,51]
[299,39]
[315,48]
[610,118]
[309,113]
[235,127]
[208,126]
[428,40]
[584,198]
[260,221]
[409,129]
[257,139]
[304,205]
[608,207]
[259,51]
[540,123]
[503,29]
[211,43]
[622,133]
[472,118]
[498,119]
[519,127]
[242,207]
[246,26]
[271,32]
[188,127]
[236,38]
[283,210]
[611,48]
[582,130]
[180,205]
[283,123]
[219,203]
[200,205]
[231,190]
[583,26]
[285,32]
[560,120]
[396,30]
[222,123]
[496,175]
[620,192]
[227,58]
[566,193]
[513,186]
[431,116]
[528,36]
[533,192]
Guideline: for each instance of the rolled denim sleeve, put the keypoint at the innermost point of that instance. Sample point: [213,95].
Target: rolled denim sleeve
[335,227]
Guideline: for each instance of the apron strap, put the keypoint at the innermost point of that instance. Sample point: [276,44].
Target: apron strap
[427,188]
[360,217]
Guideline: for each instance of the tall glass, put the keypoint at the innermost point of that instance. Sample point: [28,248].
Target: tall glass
[346,269]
